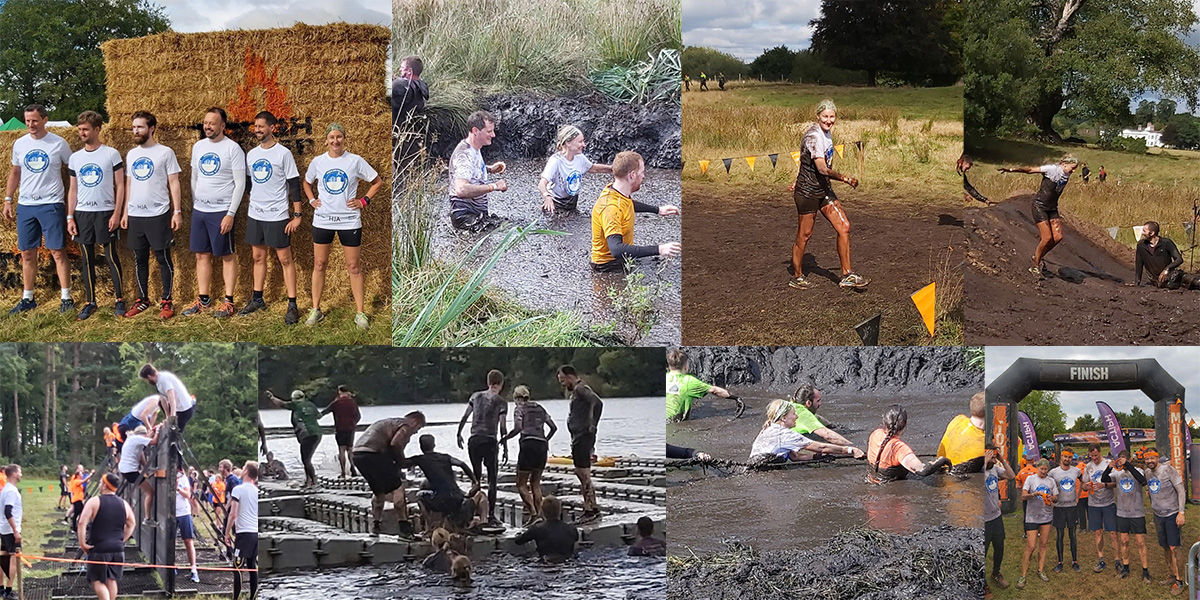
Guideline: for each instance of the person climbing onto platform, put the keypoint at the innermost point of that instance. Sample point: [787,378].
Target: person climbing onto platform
[377,455]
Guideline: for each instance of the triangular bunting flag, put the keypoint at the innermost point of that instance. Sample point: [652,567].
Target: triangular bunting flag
[750,161]
[868,331]
[925,299]
[703,167]
[773,157]
[858,145]
[796,157]
[1137,232]
[841,150]
[727,161]
[1112,232]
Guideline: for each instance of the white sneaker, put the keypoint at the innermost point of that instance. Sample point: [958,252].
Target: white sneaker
[195,577]
[361,321]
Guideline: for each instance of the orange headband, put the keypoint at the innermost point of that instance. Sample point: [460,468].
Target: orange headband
[1151,454]
[108,486]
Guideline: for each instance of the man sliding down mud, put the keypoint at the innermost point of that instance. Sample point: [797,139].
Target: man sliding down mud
[1161,259]
[1045,205]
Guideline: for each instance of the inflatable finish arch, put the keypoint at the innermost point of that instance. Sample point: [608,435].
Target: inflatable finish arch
[1028,374]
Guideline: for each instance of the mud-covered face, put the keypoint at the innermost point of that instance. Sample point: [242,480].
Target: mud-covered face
[1044,470]
[815,403]
[826,119]
[1065,461]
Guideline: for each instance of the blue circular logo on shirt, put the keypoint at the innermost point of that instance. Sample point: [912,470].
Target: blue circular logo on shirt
[210,163]
[37,160]
[335,181]
[992,483]
[1096,476]
[90,175]
[260,171]
[1154,486]
[1066,484]
[1043,489]
[1126,485]
[829,156]
[574,183]
[142,169]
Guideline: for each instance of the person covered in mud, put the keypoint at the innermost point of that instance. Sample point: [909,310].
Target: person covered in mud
[562,178]
[273,468]
[469,186]
[962,442]
[813,193]
[1040,491]
[1131,510]
[409,92]
[647,544]
[487,410]
[683,388]
[613,217]
[805,402]
[377,456]
[1102,508]
[1167,500]
[893,458]
[1045,205]
[1066,508]
[1084,172]
[446,546]
[555,539]
[963,165]
[530,420]
[583,420]
[1159,257]
[682,453]
[994,470]
[440,496]
[776,442]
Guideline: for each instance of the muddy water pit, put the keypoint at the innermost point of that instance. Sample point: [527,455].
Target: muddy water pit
[551,272]
[803,507]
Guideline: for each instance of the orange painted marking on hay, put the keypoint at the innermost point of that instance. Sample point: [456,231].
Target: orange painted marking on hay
[275,97]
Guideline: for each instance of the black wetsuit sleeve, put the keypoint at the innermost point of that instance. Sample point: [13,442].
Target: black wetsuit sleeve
[642,207]
[680,452]
[1138,475]
[465,468]
[8,512]
[619,249]
[1105,477]
[528,535]
[597,410]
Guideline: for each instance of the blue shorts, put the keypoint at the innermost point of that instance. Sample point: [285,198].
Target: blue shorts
[129,422]
[34,222]
[1102,517]
[186,529]
[206,234]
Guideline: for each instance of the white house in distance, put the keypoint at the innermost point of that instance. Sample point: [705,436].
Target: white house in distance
[1152,138]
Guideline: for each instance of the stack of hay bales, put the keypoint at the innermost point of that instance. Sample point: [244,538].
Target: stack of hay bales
[10,258]
[309,76]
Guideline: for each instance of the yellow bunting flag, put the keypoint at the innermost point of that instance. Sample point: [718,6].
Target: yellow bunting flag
[750,161]
[924,298]
[841,150]
[703,167]
[796,157]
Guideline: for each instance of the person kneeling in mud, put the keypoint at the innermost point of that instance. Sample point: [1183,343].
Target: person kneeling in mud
[440,498]
[963,441]
[613,217]
[1160,258]
[555,539]
[1041,492]
[778,443]
[894,459]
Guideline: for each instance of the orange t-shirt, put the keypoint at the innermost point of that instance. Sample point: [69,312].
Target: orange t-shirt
[1026,470]
[3,479]
[75,486]
[893,455]
[1083,493]
[218,489]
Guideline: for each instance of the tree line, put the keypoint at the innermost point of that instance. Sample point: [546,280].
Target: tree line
[1045,412]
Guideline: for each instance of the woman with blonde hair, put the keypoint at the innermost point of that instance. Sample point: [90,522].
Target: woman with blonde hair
[530,420]
[563,176]
[1045,205]
[779,441]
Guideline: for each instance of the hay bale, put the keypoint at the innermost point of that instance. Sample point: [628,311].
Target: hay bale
[309,76]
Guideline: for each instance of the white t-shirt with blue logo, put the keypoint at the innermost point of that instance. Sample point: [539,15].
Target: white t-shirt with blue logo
[1068,485]
[41,163]
[1056,174]
[1036,510]
[95,175]
[336,181]
[217,169]
[1164,485]
[147,170]
[566,176]
[991,492]
[269,170]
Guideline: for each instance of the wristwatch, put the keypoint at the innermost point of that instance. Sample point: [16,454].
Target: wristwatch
[297,215]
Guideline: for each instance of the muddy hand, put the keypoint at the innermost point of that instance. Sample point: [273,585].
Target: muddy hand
[741,407]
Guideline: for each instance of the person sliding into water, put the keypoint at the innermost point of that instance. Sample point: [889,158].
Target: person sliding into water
[1045,205]
[778,442]
[894,459]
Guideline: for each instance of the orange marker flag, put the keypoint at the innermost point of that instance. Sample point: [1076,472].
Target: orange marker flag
[796,157]
[750,161]
[841,150]
[703,167]
[925,298]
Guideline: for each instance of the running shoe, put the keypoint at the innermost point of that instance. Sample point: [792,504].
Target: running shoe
[167,310]
[195,577]
[589,517]
[1058,568]
[494,522]
[1123,570]
[197,307]
[292,316]
[22,306]
[854,280]
[1100,566]
[139,306]
[1145,575]
[224,310]
[86,311]
[65,306]
[800,283]
[1000,581]
[361,321]
[1043,576]
[1075,565]
[314,316]
[1020,583]
[1177,588]
[255,304]
[119,308]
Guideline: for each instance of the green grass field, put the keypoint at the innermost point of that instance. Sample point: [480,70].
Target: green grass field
[854,102]
[40,511]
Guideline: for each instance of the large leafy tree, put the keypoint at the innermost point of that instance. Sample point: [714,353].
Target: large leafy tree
[698,58]
[50,50]
[773,64]
[1045,412]
[1029,60]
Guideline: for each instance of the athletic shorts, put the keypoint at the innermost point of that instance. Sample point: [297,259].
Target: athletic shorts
[150,232]
[568,203]
[187,529]
[41,220]
[267,233]
[1041,214]
[1034,526]
[206,236]
[344,438]
[581,450]
[133,477]
[808,205]
[445,503]
[349,238]
[1102,517]
[1066,517]
[65,493]
[128,423]
[93,227]
[532,455]
[1168,531]
[8,542]
[382,473]
[246,545]
[105,572]
[1134,525]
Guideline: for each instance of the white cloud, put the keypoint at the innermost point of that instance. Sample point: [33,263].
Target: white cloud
[746,29]
[215,15]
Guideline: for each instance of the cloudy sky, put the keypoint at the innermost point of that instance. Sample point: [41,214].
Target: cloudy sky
[745,29]
[213,15]
[1180,362]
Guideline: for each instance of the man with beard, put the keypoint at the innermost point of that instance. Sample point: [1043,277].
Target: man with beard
[582,418]
[613,215]
[153,212]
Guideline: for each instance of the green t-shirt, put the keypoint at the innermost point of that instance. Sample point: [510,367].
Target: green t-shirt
[304,418]
[806,422]
[682,390]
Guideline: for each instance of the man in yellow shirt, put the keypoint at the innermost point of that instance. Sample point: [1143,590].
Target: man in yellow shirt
[963,441]
[612,217]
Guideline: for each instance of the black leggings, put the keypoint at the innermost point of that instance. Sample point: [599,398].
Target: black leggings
[308,447]
[247,547]
[166,271]
[483,451]
[1058,543]
[993,533]
[89,269]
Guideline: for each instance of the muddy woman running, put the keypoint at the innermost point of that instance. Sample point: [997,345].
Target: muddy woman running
[813,192]
[1045,205]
